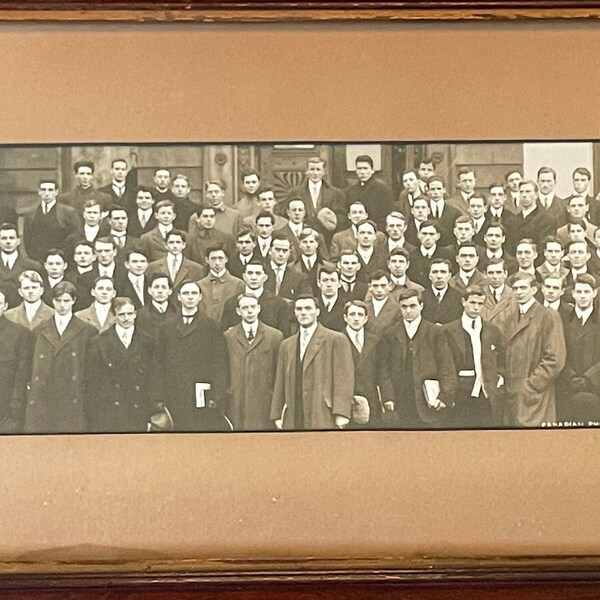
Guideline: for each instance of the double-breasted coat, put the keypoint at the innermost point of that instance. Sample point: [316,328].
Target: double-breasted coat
[16,345]
[118,382]
[252,370]
[327,381]
[186,355]
[535,356]
[56,402]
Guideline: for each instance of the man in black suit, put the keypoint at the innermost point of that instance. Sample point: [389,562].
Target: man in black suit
[441,303]
[191,367]
[419,214]
[318,195]
[548,202]
[184,206]
[245,243]
[141,215]
[513,179]
[348,265]
[466,182]
[395,227]
[372,256]
[118,222]
[498,212]
[123,185]
[92,227]
[55,272]
[331,300]
[397,265]
[84,189]
[533,222]
[477,354]
[162,185]
[310,259]
[132,283]
[119,373]
[84,271]
[50,224]
[106,255]
[366,353]
[274,312]
[373,193]
[477,211]
[415,351]
[158,310]
[13,263]
[411,191]
[204,234]
[494,240]
[581,374]
[421,258]
[16,353]
[283,280]
[441,212]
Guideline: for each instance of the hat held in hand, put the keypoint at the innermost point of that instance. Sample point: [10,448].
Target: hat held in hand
[327,218]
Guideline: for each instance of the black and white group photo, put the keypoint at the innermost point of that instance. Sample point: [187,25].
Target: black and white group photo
[299,286]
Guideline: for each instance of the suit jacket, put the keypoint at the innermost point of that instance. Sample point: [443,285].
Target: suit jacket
[77,236]
[375,195]
[557,212]
[446,223]
[583,360]
[274,311]
[150,320]
[199,240]
[131,243]
[388,316]
[153,244]
[118,381]
[378,262]
[9,278]
[227,220]
[125,289]
[367,375]
[54,234]
[135,227]
[430,360]
[188,270]
[404,203]
[327,380]
[89,316]
[535,356]
[235,266]
[47,295]
[16,351]
[329,197]
[418,270]
[84,283]
[334,318]
[562,233]
[56,402]
[408,285]
[295,242]
[77,197]
[449,309]
[476,279]
[492,365]
[127,200]
[311,274]
[509,262]
[457,201]
[216,290]
[492,310]
[293,284]
[536,226]
[19,315]
[507,219]
[186,355]
[184,209]
[252,370]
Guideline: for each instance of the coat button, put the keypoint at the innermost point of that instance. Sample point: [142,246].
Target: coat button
[137,388]
[32,402]
[135,406]
[110,364]
[117,385]
[117,403]
[73,353]
[74,378]
[42,356]
[75,401]
[36,378]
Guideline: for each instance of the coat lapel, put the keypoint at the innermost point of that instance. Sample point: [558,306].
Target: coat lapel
[70,332]
[524,321]
[313,346]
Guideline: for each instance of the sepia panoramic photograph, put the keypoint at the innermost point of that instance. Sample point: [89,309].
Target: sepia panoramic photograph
[299,287]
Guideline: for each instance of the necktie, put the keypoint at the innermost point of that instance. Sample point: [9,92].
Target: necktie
[143,219]
[125,340]
[438,295]
[173,267]
[434,212]
[250,336]
[188,319]
[358,342]
[496,296]
[45,209]
[581,321]
[304,342]
[120,241]
[278,280]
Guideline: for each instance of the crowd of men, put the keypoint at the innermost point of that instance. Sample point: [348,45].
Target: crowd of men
[130,309]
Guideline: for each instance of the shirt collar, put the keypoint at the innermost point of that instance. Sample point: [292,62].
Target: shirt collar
[524,308]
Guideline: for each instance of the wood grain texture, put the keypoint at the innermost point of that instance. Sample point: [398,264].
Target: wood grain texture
[299,11]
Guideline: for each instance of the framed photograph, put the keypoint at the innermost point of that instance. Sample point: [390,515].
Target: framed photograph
[381,511]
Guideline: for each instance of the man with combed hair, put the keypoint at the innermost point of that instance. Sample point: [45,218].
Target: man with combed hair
[578,209]
[366,353]
[253,348]
[227,219]
[331,299]
[441,302]
[203,233]
[56,402]
[410,192]
[314,385]
[247,203]
[90,229]
[266,204]
[466,183]
[478,358]
[395,228]
[371,191]
[84,188]
[414,351]
[383,311]
[310,258]
[132,283]
[553,258]
[535,356]
[581,376]
[467,259]
[428,250]
[322,200]
[32,311]
[158,309]
[219,285]
[513,179]
[497,293]
[141,215]
[191,372]
[283,280]
[152,243]
[397,265]
[122,187]
[99,314]
[119,365]
[185,207]
[50,224]
[348,238]
[16,347]
[442,213]
[162,184]
[553,289]
[548,201]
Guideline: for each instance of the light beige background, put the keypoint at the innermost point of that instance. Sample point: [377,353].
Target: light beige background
[388,495]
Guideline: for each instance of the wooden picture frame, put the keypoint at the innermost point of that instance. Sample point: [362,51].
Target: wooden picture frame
[480,515]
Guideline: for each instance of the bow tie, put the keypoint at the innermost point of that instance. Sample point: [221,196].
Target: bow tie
[215,279]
